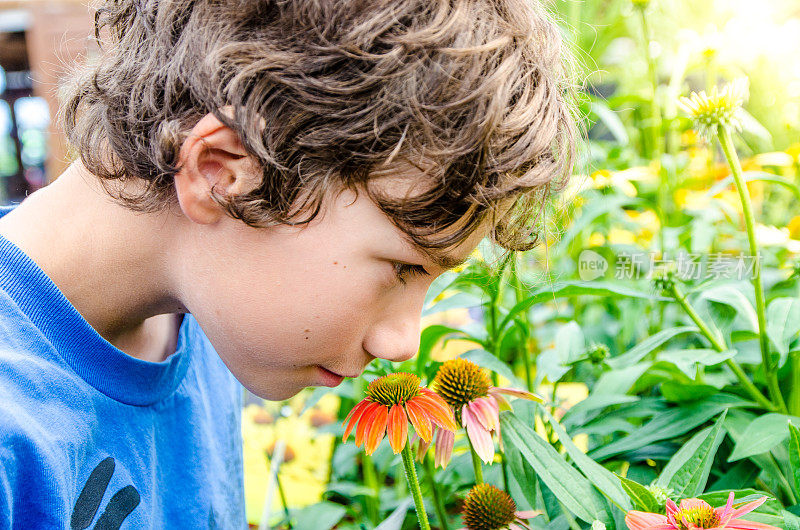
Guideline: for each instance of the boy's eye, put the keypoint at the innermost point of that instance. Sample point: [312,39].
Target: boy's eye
[404,271]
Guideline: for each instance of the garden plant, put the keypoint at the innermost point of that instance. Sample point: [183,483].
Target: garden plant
[641,367]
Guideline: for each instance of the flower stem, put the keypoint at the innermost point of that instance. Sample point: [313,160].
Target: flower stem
[413,484]
[476,463]
[794,393]
[726,142]
[721,347]
[525,348]
[371,481]
[437,498]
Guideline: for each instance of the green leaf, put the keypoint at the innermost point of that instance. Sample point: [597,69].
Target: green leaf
[641,496]
[742,473]
[619,381]
[604,480]
[575,288]
[571,488]
[523,473]
[679,392]
[485,359]
[752,176]
[763,434]
[791,521]
[783,323]
[719,498]
[794,456]
[729,295]
[670,423]
[569,345]
[638,352]
[687,471]
[320,516]
[736,425]
[429,338]
[395,520]
[611,120]
[687,360]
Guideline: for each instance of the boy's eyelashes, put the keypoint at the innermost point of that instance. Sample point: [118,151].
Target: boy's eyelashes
[404,271]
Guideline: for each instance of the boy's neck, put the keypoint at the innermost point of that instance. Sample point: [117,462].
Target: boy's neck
[110,263]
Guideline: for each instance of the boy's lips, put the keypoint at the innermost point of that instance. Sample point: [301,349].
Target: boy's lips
[330,378]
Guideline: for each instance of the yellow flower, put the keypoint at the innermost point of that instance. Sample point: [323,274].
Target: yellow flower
[776,159]
[304,471]
[719,108]
[794,151]
[794,227]
[620,236]
[613,179]
[596,239]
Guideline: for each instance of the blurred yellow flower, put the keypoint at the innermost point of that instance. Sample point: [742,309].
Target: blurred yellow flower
[596,239]
[304,471]
[620,236]
[794,227]
[604,178]
[567,395]
[649,225]
[794,152]
[771,236]
[687,199]
[777,159]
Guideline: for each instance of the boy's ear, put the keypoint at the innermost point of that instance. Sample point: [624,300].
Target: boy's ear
[212,157]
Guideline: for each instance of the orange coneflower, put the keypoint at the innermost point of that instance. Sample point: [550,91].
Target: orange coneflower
[392,401]
[489,508]
[466,387]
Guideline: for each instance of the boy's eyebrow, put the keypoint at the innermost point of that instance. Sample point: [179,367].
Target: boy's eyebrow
[446,262]
[439,258]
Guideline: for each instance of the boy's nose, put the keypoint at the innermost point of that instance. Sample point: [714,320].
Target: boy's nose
[394,340]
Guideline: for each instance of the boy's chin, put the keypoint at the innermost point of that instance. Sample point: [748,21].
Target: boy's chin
[275,392]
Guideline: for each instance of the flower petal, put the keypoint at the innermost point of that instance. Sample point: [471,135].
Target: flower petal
[364,422]
[637,520]
[725,514]
[747,508]
[693,503]
[376,429]
[422,448]
[529,514]
[740,524]
[488,406]
[438,411]
[524,394]
[397,428]
[444,447]
[353,417]
[481,440]
[420,421]
[477,412]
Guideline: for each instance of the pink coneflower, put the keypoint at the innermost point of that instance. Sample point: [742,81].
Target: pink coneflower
[696,514]
[465,386]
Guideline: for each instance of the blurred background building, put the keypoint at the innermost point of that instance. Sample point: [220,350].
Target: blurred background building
[38,42]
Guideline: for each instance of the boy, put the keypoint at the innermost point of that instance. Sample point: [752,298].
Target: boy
[264,193]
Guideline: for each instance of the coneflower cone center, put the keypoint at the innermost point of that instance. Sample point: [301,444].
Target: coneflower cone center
[700,517]
[488,508]
[460,381]
[394,389]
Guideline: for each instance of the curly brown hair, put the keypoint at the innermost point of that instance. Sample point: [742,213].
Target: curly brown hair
[326,92]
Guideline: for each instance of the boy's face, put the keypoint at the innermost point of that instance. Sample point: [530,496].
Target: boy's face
[290,307]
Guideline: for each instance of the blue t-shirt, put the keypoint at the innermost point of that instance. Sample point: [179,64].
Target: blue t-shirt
[93,438]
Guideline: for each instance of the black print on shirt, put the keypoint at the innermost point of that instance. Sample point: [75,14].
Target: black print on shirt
[119,507]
